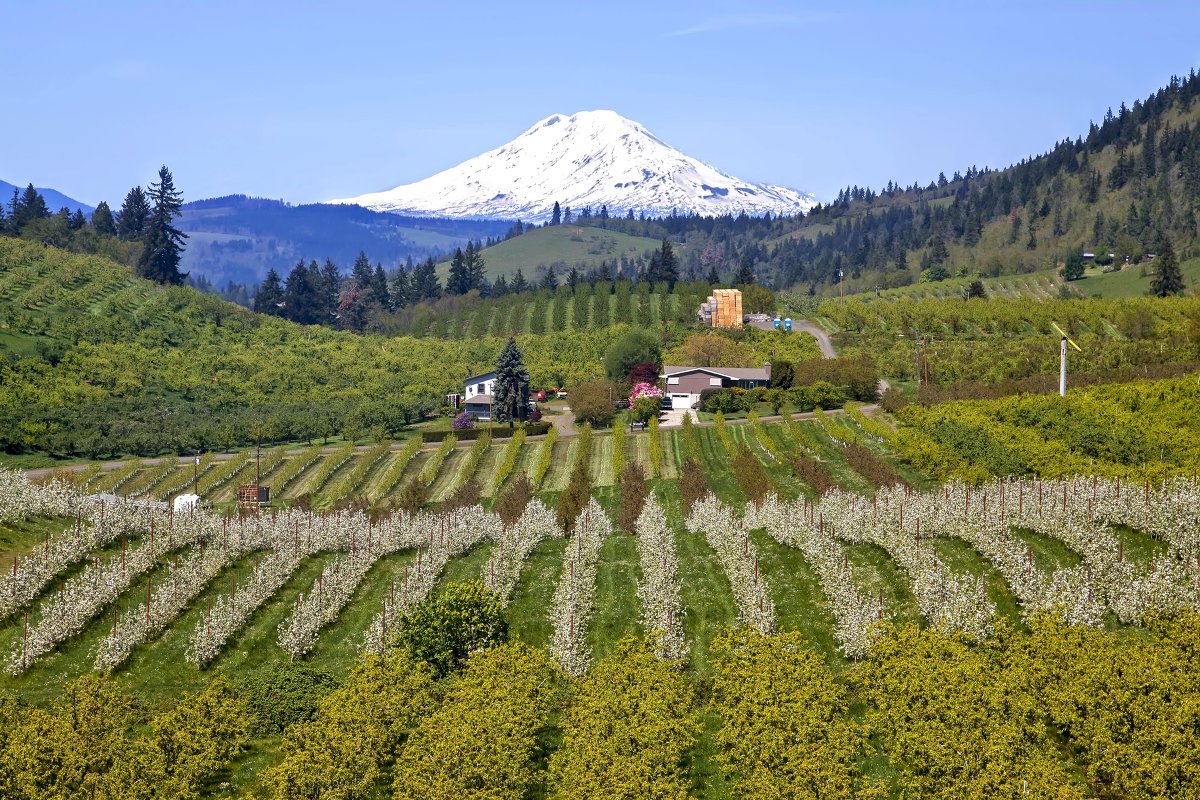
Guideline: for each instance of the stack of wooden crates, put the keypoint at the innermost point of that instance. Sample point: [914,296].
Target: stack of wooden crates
[728,308]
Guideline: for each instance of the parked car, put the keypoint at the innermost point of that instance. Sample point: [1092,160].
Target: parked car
[666,403]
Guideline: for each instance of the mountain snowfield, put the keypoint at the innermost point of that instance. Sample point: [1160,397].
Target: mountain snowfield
[589,159]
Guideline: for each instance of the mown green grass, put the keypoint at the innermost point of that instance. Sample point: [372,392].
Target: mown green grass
[570,244]
[800,605]
[1048,553]
[1130,282]
[960,556]
[1139,547]
[876,573]
[708,601]
[528,615]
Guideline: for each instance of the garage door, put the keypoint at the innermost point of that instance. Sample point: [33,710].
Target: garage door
[683,400]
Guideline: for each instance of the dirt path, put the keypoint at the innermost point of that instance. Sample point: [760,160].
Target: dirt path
[821,336]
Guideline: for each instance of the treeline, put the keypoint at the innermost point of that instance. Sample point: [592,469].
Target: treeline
[370,298]
[1127,187]
[141,234]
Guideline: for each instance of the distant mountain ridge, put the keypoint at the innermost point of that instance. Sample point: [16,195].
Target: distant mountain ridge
[238,238]
[54,199]
[589,159]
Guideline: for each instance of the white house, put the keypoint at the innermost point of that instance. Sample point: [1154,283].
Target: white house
[477,399]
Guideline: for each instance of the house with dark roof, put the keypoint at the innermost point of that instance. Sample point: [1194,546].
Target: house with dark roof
[684,384]
[477,399]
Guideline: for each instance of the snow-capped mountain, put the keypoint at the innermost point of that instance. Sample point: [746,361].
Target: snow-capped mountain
[589,159]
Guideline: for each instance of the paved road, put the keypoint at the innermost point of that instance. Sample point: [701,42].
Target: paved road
[565,422]
[821,336]
[826,345]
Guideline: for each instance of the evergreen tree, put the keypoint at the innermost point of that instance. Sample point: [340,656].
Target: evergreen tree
[668,265]
[77,220]
[556,214]
[425,284]
[102,220]
[566,215]
[510,401]
[519,284]
[134,215]
[713,278]
[28,207]
[745,273]
[1168,279]
[500,287]
[476,274]
[327,288]
[1073,268]
[380,296]
[459,280]
[549,281]
[302,301]
[269,298]
[164,242]
[400,289]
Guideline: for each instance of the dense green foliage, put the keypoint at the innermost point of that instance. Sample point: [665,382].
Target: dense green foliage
[96,742]
[1137,429]
[444,629]
[628,724]
[482,740]
[785,730]
[342,752]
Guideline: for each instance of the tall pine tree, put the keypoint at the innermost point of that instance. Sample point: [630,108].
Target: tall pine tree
[425,284]
[519,284]
[399,291]
[1168,278]
[302,300]
[510,399]
[134,215]
[269,298]
[459,280]
[745,273]
[473,259]
[102,220]
[163,246]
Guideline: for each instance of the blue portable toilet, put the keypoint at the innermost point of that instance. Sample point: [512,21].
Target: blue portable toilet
[777,323]
[787,324]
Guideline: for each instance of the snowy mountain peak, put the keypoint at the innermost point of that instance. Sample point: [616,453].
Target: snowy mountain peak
[591,158]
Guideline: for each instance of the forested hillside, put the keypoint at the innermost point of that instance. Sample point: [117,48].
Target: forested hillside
[1127,185]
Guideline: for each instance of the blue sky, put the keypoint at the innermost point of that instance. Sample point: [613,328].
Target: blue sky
[309,101]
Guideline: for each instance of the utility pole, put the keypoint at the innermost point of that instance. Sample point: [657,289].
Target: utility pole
[841,285]
[195,474]
[1062,364]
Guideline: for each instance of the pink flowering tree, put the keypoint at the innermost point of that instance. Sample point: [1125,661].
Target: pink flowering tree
[645,401]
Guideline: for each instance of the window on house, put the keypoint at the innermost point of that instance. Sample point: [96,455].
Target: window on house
[672,381]
[714,381]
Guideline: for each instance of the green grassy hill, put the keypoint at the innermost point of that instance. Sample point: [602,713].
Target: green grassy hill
[563,246]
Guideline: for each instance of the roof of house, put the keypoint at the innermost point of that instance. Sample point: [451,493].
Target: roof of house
[485,376]
[732,373]
[479,399]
